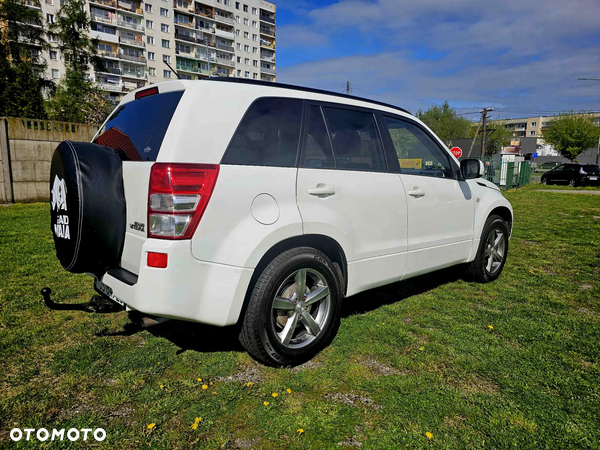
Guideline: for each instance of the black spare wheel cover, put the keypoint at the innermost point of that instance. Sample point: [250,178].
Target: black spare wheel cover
[87,204]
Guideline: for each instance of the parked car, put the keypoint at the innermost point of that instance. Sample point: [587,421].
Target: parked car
[573,175]
[270,210]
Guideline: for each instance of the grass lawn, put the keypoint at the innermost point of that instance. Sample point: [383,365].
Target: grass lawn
[433,362]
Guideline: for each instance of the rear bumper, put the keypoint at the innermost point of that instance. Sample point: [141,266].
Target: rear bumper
[187,288]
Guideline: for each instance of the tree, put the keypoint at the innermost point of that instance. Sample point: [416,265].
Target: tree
[22,38]
[572,133]
[77,98]
[444,122]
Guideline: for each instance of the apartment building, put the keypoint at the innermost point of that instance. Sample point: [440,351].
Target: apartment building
[534,126]
[145,42]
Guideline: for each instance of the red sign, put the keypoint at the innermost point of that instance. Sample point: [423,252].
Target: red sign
[456,151]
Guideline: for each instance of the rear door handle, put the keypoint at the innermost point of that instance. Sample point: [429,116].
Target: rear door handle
[416,192]
[321,191]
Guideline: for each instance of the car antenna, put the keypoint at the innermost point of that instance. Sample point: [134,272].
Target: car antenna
[176,74]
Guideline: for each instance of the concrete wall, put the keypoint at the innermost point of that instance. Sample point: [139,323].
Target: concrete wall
[27,146]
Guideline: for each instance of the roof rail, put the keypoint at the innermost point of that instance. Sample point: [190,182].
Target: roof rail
[302,88]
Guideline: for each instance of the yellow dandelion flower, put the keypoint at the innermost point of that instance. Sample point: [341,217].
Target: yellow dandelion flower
[196,423]
[204,386]
[249,384]
[531,271]
[266,403]
[274,394]
[214,393]
[491,327]
[382,323]
[158,363]
[199,379]
[299,431]
[162,386]
[151,425]
[288,390]
[429,435]
[421,349]
[211,383]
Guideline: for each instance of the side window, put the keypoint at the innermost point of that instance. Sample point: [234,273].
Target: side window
[268,134]
[559,168]
[318,151]
[356,142]
[417,153]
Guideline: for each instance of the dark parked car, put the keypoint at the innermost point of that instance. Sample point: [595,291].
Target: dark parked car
[573,175]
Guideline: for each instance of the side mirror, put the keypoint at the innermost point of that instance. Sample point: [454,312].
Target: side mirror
[471,168]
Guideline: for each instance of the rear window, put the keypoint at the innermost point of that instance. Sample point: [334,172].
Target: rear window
[136,129]
[591,169]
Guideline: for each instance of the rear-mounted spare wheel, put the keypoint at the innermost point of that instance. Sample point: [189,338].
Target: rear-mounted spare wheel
[87,207]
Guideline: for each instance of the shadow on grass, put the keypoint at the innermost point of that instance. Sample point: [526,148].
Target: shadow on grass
[207,339]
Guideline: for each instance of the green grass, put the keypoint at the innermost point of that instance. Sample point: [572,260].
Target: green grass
[511,364]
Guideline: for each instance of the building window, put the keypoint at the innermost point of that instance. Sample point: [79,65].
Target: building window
[246,22]
[254,11]
[53,55]
[245,8]
[151,56]
[149,24]
[254,24]
[50,18]
[239,46]
[532,133]
[164,27]
[150,40]
[247,61]
[237,5]
[246,48]
[246,35]
[247,74]
[255,76]
[49,2]
[51,38]
[255,50]
[255,63]
[237,33]
[166,73]
[167,59]
[239,59]
[165,43]
[255,37]
[152,71]
[148,8]
[239,73]
[237,19]
[54,73]
[533,124]
[164,12]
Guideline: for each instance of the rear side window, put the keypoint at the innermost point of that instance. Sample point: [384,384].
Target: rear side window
[268,134]
[355,139]
[318,148]
[136,130]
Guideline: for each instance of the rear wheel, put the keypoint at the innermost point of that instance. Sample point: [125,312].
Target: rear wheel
[294,309]
[492,252]
[573,183]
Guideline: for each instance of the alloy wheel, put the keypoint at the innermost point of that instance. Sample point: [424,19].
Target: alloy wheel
[495,251]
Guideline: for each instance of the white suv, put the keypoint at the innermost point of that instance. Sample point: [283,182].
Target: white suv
[229,200]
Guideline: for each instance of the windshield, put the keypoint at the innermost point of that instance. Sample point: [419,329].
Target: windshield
[136,129]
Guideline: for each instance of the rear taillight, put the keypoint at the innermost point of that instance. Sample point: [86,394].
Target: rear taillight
[177,198]
[582,172]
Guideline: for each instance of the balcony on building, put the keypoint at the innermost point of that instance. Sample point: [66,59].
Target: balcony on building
[183,20]
[267,31]
[266,78]
[185,35]
[134,42]
[109,70]
[267,16]
[267,55]
[133,72]
[224,46]
[226,60]
[130,6]
[221,72]
[187,65]
[205,11]
[103,33]
[224,32]
[131,86]
[102,16]
[128,22]
[269,70]
[183,5]
[223,17]
[267,43]
[111,4]
[32,4]
[135,57]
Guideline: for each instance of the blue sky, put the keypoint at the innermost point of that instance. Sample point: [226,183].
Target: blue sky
[522,57]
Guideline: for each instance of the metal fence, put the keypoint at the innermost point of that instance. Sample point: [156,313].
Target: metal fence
[506,174]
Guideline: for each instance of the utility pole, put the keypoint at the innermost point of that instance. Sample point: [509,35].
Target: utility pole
[348,87]
[484,112]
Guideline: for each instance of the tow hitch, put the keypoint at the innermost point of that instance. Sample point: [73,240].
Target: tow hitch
[97,304]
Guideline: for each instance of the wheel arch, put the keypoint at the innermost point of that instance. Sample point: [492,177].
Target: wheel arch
[329,246]
[505,213]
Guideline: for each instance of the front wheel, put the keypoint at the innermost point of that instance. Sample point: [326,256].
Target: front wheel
[294,310]
[544,181]
[573,183]
[492,252]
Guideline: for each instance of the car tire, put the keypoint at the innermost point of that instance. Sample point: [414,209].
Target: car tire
[572,183]
[544,181]
[492,251]
[278,328]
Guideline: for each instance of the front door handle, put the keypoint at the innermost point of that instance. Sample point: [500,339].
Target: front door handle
[321,191]
[416,192]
